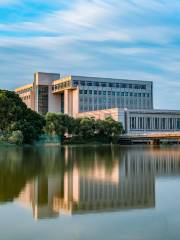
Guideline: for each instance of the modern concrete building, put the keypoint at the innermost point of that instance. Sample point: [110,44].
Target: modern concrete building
[128,101]
[140,121]
[73,94]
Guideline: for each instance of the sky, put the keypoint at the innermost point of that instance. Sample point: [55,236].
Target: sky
[134,39]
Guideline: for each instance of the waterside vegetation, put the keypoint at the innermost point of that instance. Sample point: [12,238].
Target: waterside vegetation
[20,125]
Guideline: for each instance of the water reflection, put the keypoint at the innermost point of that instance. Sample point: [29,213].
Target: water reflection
[78,180]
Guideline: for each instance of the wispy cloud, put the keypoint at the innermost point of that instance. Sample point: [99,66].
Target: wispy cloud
[128,38]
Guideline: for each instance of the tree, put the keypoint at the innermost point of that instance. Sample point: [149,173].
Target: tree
[15,116]
[87,127]
[108,127]
[59,124]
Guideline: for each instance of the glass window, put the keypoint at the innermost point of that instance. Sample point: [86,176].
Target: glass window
[75,82]
[144,95]
[109,93]
[103,84]
[126,94]
[85,91]
[123,85]
[90,91]
[130,85]
[113,93]
[100,92]
[95,92]
[147,94]
[82,83]
[135,94]
[96,84]
[89,83]
[104,92]
[117,85]
[139,94]
[136,86]
[131,94]
[81,91]
[122,94]
[118,93]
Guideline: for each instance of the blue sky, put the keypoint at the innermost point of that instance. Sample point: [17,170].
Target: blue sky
[136,39]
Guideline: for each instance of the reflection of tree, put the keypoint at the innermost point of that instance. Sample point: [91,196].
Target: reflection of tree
[17,166]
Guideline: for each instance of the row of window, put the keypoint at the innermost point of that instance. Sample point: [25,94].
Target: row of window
[109,93]
[24,91]
[101,107]
[154,123]
[109,84]
[61,86]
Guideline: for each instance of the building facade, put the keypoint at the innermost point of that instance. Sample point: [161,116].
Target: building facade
[140,121]
[73,94]
[128,101]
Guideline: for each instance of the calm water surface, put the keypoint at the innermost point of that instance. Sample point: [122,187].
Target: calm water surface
[89,193]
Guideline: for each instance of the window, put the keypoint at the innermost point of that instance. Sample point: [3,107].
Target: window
[104,92]
[123,85]
[96,84]
[85,91]
[130,85]
[136,86]
[135,94]
[81,91]
[139,94]
[126,94]
[89,83]
[178,123]
[133,122]
[131,94]
[90,91]
[95,92]
[147,123]
[113,93]
[163,123]
[122,94]
[156,123]
[144,95]
[75,83]
[109,93]
[82,83]
[147,94]
[103,84]
[117,85]
[100,92]
[118,93]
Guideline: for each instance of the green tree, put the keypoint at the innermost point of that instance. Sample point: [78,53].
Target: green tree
[87,127]
[59,124]
[15,116]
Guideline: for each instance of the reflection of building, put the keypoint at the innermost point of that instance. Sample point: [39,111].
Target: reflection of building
[88,192]
[125,180]
[38,195]
[94,189]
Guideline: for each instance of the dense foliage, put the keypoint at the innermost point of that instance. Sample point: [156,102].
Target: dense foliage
[18,124]
[86,128]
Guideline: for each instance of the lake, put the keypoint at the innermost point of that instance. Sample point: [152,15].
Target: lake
[90,192]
